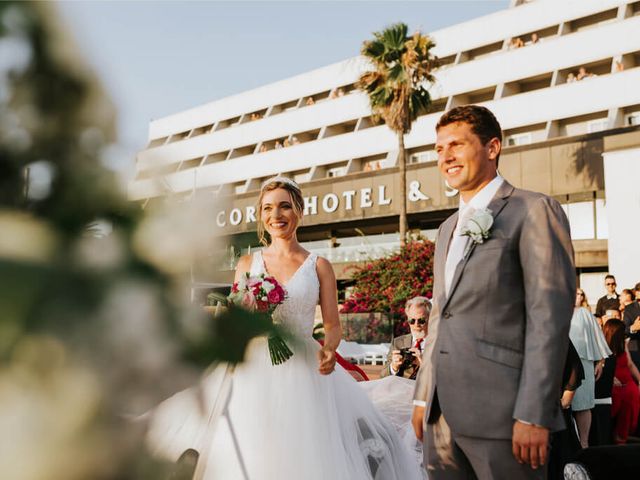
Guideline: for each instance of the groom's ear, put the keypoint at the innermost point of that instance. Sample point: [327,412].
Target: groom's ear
[494,147]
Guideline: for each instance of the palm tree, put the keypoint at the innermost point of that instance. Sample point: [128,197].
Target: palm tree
[397,88]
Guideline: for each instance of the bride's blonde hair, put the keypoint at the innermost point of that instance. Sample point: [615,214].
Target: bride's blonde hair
[296,199]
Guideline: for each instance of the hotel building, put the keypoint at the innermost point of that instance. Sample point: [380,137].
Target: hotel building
[562,77]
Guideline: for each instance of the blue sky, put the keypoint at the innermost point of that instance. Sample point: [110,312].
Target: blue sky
[160,57]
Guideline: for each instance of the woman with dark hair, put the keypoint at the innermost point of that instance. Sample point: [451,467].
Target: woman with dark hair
[625,396]
[565,444]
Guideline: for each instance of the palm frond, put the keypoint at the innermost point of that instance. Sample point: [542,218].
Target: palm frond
[397,86]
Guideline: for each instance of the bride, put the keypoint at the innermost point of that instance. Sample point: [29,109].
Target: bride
[304,418]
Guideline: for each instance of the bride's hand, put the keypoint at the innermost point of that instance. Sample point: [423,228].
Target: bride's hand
[326,361]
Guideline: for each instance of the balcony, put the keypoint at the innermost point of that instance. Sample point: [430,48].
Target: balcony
[517,111]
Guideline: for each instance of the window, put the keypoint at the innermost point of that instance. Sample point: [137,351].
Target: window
[422,157]
[581,219]
[632,119]
[336,172]
[518,139]
[597,125]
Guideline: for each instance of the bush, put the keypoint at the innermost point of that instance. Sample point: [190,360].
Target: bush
[385,284]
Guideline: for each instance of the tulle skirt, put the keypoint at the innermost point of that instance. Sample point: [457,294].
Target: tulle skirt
[284,422]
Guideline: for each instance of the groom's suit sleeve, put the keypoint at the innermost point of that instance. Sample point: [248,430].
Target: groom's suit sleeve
[549,278]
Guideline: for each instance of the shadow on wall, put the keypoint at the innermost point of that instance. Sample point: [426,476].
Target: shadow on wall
[587,162]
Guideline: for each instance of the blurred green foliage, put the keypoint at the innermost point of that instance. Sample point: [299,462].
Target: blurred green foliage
[93,327]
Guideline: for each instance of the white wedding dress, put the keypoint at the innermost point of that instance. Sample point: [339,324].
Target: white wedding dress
[283,422]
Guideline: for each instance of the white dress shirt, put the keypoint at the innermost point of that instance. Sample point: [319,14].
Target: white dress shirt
[465,211]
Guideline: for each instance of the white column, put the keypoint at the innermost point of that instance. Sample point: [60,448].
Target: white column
[622,193]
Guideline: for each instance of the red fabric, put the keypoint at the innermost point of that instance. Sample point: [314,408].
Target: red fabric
[418,343]
[625,400]
[354,370]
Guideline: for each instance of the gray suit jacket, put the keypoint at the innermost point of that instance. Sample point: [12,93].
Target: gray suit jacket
[497,343]
[631,312]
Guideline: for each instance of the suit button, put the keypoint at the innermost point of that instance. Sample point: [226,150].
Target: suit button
[447,314]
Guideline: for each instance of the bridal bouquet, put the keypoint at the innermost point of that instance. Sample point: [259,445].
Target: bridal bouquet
[263,294]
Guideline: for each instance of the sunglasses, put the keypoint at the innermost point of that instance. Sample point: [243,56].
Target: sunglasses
[421,321]
[610,283]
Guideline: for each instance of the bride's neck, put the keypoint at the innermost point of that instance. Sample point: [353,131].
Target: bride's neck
[285,246]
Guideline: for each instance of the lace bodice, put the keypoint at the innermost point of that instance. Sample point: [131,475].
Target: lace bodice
[297,312]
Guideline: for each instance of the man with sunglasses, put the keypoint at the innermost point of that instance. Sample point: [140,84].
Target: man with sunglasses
[610,301]
[417,310]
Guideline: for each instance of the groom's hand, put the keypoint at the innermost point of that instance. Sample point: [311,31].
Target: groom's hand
[530,443]
[416,420]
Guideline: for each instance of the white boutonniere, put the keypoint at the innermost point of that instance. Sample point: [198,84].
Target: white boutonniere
[478,227]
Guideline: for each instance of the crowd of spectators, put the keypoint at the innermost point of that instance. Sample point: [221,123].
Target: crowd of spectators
[582,74]
[280,143]
[613,414]
[518,42]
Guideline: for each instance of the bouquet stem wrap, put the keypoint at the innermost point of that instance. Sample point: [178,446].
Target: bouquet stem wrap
[279,351]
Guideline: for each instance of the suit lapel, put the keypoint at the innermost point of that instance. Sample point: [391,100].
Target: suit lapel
[446,234]
[496,205]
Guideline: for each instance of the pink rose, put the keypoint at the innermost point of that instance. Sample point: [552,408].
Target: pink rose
[249,301]
[262,306]
[274,297]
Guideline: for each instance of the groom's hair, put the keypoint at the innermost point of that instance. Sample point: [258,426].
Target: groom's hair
[482,122]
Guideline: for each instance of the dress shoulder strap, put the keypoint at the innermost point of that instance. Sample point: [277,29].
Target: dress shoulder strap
[256,263]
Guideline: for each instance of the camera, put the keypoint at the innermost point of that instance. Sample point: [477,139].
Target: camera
[407,359]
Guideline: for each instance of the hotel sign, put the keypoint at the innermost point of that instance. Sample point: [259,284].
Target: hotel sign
[352,198]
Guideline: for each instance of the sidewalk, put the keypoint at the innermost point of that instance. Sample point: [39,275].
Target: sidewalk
[372,371]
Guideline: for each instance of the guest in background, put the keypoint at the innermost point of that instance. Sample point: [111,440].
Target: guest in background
[612,313]
[583,74]
[626,298]
[626,396]
[611,299]
[601,424]
[417,310]
[631,320]
[587,338]
[565,444]
[516,42]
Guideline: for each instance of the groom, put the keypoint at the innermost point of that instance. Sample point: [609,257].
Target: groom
[489,390]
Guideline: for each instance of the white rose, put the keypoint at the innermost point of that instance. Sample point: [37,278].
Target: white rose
[268,286]
[479,225]
[481,221]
